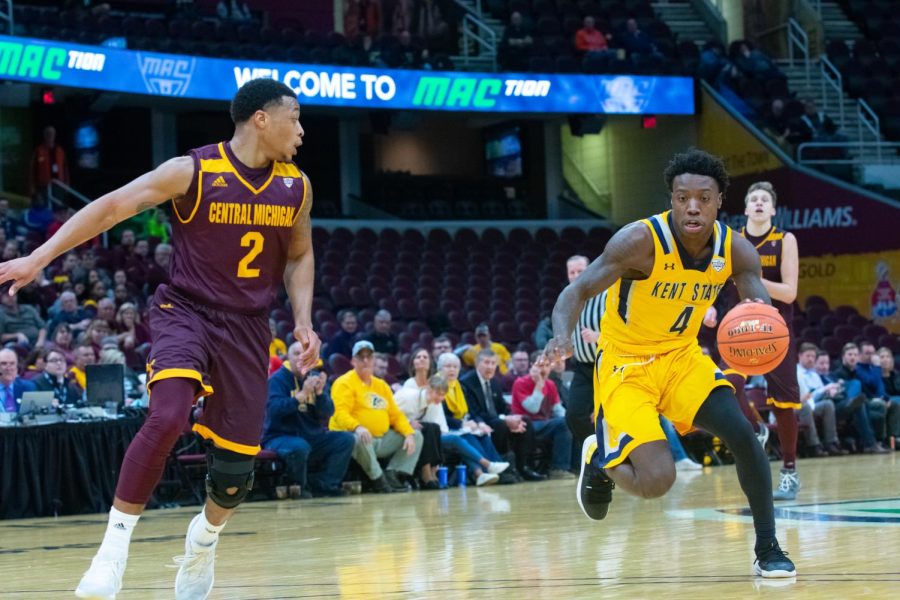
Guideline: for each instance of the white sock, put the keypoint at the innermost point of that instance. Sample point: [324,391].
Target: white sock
[118,535]
[202,532]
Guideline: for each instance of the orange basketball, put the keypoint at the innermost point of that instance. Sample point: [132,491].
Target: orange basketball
[753,338]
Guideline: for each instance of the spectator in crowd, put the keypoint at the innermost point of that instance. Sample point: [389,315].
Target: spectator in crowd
[518,368]
[158,226]
[11,385]
[819,126]
[124,251]
[94,335]
[158,269]
[441,345]
[786,133]
[461,423]
[516,44]
[138,266]
[133,336]
[535,396]
[381,370]
[638,45]
[47,163]
[867,427]
[234,10]
[135,393]
[342,342]
[364,405]
[483,342]
[381,337]
[20,323]
[882,407]
[591,41]
[484,397]
[754,63]
[315,458]
[557,369]
[277,347]
[71,314]
[420,368]
[712,61]
[543,333]
[422,407]
[431,25]
[67,271]
[9,225]
[54,379]
[61,214]
[402,16]
[817,403]
[361,17]
[10,250]
[106,311]
[62,341]
[890,377]
[84,356]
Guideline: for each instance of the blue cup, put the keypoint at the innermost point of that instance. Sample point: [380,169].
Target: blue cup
[442,476]
[461,475]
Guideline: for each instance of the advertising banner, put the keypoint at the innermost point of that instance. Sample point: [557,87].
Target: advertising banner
[130,71]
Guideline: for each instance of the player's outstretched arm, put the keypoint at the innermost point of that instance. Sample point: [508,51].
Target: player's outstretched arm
[747,271]
[628,253]
[299,275]
[169,180]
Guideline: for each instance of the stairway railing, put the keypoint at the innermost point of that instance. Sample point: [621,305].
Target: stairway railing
[477,31]
[798,38]
[868,120]
[6,14]
[832,81]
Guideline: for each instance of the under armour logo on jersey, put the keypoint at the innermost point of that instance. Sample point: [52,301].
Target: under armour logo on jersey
[668,266]
[288,181]
[220,182]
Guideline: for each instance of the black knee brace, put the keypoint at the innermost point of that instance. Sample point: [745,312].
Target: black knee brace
[227,469]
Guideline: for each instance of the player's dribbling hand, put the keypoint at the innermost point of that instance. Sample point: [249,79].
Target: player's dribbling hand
[311,345]
[21,271]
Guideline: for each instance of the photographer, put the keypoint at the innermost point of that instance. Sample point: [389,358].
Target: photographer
[294,428]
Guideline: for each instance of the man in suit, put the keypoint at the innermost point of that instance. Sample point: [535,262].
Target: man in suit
[11,385]
[484,395]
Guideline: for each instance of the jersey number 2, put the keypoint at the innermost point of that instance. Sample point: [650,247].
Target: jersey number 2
[681,322]
[254,240]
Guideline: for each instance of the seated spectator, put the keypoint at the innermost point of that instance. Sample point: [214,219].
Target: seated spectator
[315,458]
[474,442]
[124,250]
[138,265]
[866,426]
[819,126]
[422,408]
[133,336]
[817,402]
[381,337]
[483,342]
[882,408]
[519,367]
[342,342]
[159,227]
[361,16]
[277,347]
[62,341]
[364,405]
[590,40]
[557,369]
[94,335]
[786,133]
[11,385]
[484,397]
[712,61]
[158,268]
[753,63]
[54,379]
[106,311]
[440,345]
[543,333]
[891,379]
[69,313]
[638,45]
[402,16]
[381,371]
[135,392]
[430,24]
[84,356]
[36,361]
[20,324]
[516,44]
[535,396]
[420,368]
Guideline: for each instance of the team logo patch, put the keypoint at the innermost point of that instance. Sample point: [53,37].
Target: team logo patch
[288,181]
[718,264]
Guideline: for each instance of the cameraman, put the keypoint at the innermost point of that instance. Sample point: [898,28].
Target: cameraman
[315,458]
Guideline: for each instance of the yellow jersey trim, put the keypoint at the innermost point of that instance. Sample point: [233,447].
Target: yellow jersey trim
[205,390]
[733,372]
[208,434]
[305,180]
[772,236]
[234,171]
[196,202]
[777,404]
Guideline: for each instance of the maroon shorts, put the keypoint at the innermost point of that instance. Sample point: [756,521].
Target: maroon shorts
[226,353]
[781,384]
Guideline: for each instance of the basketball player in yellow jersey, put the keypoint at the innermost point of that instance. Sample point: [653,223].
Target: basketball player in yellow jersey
[661,274]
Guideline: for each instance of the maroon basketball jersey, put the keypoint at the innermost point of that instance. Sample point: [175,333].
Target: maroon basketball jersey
[231,248]
[769,246]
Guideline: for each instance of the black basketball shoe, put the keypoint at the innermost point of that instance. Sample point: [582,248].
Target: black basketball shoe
[772,561]
[594,486]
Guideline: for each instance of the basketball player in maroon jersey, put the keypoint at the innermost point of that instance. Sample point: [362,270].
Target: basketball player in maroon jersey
[242,227]
[780,270]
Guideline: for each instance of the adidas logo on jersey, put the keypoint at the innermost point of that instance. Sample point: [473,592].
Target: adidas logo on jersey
[220,182]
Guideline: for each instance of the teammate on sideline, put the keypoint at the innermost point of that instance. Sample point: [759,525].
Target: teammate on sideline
[242,228]
[661,274]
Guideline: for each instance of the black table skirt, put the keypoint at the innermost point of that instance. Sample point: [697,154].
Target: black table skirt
[62,469]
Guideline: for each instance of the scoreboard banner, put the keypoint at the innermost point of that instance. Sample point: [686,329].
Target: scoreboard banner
[157,74]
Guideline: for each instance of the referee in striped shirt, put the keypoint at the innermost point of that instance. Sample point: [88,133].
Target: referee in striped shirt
[579,413]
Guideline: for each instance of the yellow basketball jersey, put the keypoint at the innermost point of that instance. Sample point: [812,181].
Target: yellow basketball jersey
[664,312]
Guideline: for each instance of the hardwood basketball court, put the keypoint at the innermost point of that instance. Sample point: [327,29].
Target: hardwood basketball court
[522,541]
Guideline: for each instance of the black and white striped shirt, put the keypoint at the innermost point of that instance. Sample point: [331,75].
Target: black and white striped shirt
[589,319]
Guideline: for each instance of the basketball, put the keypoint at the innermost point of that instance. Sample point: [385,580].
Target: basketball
[753,338]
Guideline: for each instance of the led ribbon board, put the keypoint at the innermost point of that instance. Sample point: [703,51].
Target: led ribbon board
[136,72]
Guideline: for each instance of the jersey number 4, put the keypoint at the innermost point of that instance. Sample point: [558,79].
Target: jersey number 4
[682,321]
[254,240]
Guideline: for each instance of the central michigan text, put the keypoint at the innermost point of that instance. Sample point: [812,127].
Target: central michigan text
[235,213]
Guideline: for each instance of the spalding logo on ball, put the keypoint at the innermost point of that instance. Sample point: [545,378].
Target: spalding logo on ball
[753,338]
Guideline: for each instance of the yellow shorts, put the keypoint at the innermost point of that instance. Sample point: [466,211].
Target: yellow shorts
[635,390]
